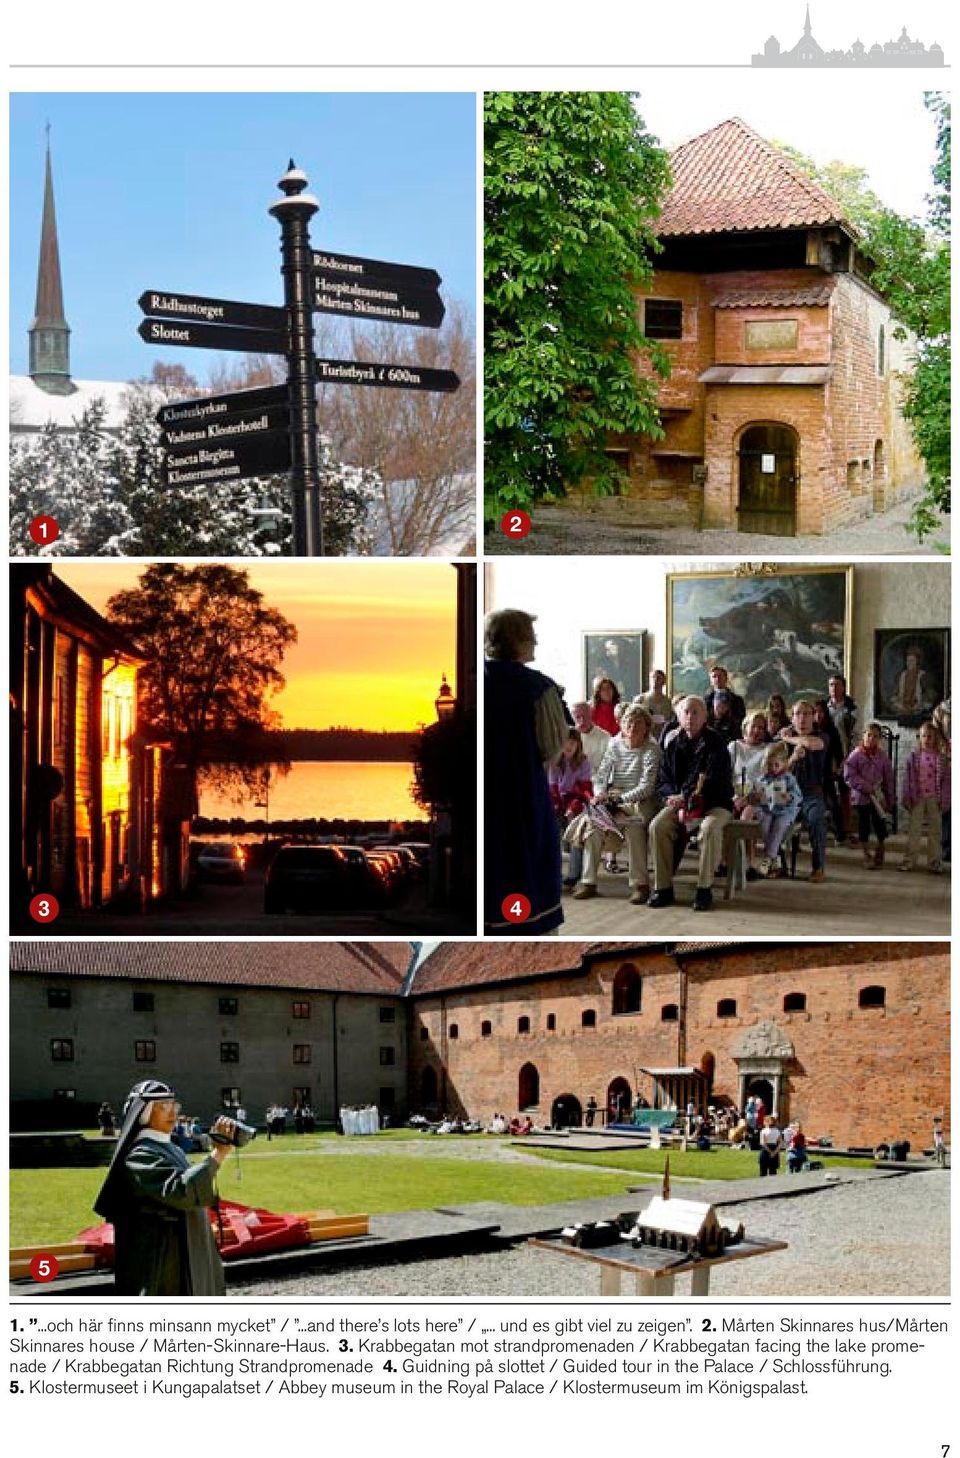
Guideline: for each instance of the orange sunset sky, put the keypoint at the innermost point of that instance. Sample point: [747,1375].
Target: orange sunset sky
[373,636]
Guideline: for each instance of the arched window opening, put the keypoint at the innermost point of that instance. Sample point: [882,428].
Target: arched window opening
[795,1002]
[727,1007]
[873,996]
[523,1025]
[528,1087]
[588,1018]
[486,1028]
[669,1013]
[626,990]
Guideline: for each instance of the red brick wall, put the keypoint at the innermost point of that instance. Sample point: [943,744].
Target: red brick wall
[858,1074]
[838,424]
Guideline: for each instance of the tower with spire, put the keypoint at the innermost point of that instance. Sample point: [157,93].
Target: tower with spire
[50,333]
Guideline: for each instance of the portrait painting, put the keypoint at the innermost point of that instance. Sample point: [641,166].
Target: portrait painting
[776,632]
[616,654]
[911,669]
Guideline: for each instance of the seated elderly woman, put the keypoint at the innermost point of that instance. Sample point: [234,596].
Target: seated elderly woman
[747,756]
[627,786]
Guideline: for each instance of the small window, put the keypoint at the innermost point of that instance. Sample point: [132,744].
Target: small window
[301,1052]
[873,997]
[61,1050]
[388,1057]
[588,1018]
[663,318]
[227,1007]
[795,1002]
[454,1031]
[301,1095]
[727,1007]
[669,1013]
[388,1015]
[627,989]
[551,1022]
[230,1098]
[882,351]
[300,1009]
[424,1034]
[387,1100]
[58,997]
[229,1052]
[523,1025]
[145,1050]
[143,1002]
[486,1028]
[64,1093]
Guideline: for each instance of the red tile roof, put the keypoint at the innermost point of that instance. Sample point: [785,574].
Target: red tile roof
[368,967]
[730,180]
[818,296]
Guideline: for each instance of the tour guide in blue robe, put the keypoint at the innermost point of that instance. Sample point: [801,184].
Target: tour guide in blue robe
[525,728]
[158,1202]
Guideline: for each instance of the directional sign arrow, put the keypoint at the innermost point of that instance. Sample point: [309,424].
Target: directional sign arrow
[390,376]
[213,336]
[167,305]
[261,456]
[226,429]
[345,265]
[220,407]
[370,301]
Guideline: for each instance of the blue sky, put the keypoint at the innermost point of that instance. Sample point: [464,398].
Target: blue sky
[170,191]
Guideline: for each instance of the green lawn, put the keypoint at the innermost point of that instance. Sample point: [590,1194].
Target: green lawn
[719,1164]
[294,1174]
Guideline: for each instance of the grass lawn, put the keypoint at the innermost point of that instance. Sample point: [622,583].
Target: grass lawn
[719,1164]
[293,1174]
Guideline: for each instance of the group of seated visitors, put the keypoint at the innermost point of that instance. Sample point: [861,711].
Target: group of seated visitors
[671,773]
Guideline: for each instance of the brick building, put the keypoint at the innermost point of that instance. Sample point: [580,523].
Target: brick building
[851,1037]
[782,409]
[99,811]
[226,1023]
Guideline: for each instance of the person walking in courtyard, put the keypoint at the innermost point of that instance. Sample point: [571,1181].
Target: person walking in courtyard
[771,1143]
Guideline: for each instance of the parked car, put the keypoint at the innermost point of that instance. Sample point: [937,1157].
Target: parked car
[309,878]
[407,857]
[222,860]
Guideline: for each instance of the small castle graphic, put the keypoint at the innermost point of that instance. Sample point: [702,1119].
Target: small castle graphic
[807,52]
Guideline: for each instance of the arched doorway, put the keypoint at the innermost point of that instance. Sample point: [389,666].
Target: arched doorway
[619,1101]
[762,1088]
[528,1087]
[768,477]
[566,1112]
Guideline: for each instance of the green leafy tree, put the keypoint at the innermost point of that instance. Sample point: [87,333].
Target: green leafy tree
[911,268]
[572,187]
[213,650]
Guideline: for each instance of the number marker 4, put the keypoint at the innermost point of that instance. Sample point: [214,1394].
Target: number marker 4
[515,907]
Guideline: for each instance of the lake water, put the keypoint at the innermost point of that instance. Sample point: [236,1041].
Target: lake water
[331,790]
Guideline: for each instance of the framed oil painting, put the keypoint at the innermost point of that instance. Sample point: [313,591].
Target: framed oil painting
[776,631]
[616,653]
[911,670]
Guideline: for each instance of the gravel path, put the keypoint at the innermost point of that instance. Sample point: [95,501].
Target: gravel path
[605,529]
[888,1237]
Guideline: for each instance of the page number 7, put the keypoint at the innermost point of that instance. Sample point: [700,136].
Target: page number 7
[944,1449]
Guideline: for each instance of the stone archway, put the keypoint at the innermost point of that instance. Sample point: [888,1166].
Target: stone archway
[762,1055]
[767,479]
[528,1087]
[566,1112]
[619,1100]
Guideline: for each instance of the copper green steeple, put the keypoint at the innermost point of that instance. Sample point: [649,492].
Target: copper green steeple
[49,332]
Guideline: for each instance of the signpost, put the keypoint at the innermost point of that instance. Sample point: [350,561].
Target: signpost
[261,431]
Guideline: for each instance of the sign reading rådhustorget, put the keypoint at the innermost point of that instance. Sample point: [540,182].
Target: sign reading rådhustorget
[262,431]
[212,311]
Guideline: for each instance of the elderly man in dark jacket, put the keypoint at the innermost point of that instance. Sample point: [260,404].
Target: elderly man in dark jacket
[695,773]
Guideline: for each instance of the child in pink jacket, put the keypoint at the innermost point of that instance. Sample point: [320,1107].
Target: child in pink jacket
[926,794]
[873,793]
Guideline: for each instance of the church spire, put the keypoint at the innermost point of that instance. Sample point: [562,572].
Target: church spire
[806,28]
[49,333]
